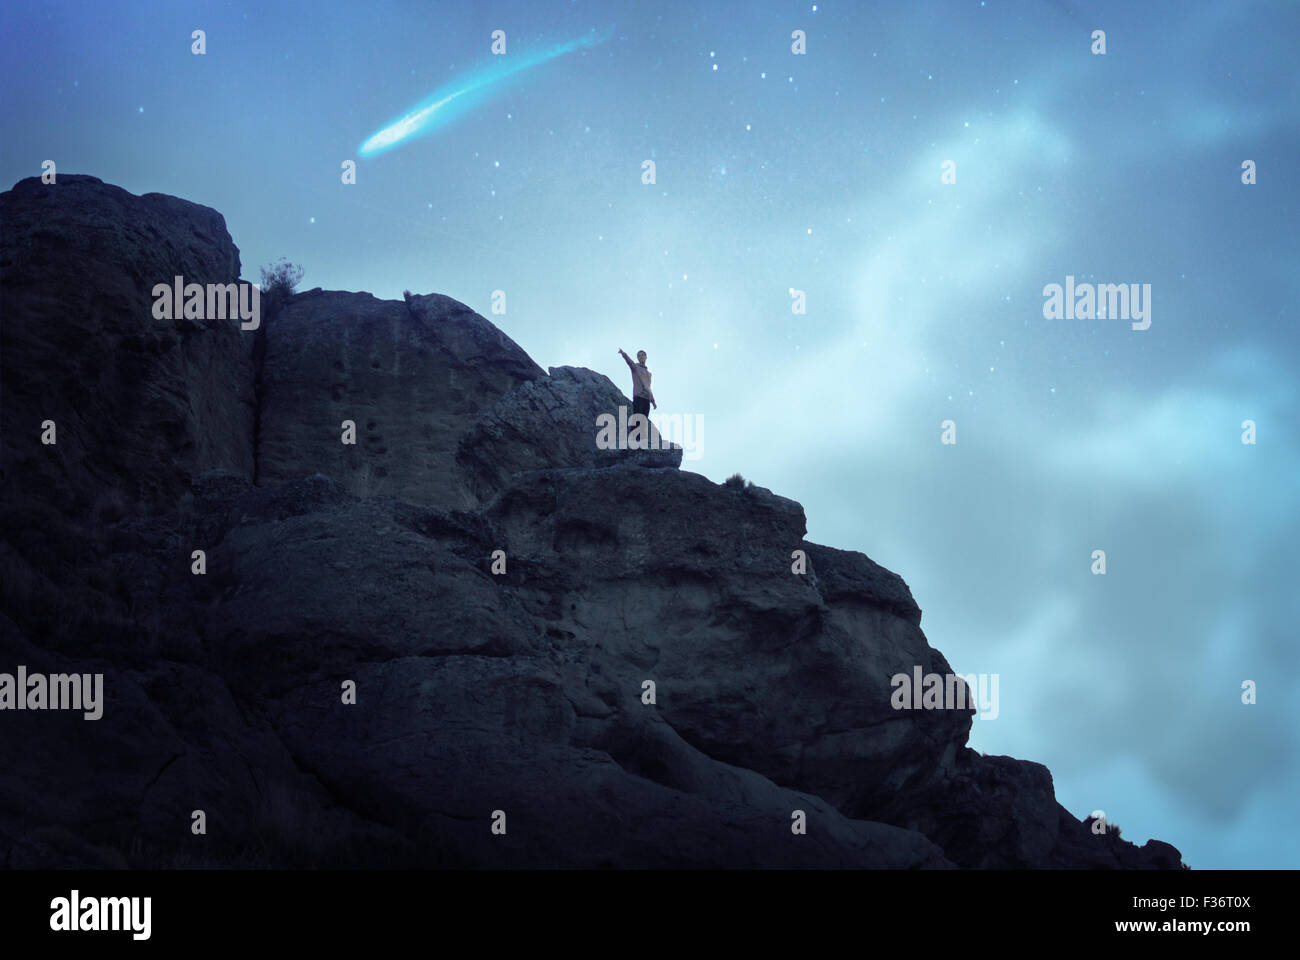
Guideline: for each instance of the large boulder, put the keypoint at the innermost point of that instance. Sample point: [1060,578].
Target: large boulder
[557,421]
[140,406]
[411,376]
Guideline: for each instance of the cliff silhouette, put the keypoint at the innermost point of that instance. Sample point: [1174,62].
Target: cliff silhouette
[521,691]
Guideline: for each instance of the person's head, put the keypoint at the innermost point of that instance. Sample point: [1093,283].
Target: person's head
[640,357]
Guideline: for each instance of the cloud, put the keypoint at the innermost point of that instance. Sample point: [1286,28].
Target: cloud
[1142,667]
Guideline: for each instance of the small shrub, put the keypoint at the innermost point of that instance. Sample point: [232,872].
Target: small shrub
[735,482]
[1111,829]
[278,283]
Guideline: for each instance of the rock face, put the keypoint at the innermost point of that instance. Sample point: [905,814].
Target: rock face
[472,613]
[142,406]
[551,422]
[412,377]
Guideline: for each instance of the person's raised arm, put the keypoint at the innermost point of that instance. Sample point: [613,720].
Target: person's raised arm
[625,356]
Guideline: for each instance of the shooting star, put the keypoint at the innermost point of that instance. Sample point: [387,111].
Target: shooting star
[449,102]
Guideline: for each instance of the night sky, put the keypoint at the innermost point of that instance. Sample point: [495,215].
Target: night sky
[823,173]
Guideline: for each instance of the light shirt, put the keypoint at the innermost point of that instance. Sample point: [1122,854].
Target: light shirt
[641,382]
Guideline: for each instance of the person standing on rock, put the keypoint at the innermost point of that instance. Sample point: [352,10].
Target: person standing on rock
[642,396]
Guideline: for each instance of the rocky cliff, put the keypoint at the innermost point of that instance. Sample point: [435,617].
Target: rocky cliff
[498,589]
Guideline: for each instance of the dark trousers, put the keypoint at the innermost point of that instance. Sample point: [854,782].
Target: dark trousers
[641,405]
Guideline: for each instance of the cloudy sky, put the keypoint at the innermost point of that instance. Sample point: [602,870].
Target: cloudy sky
[823,172]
